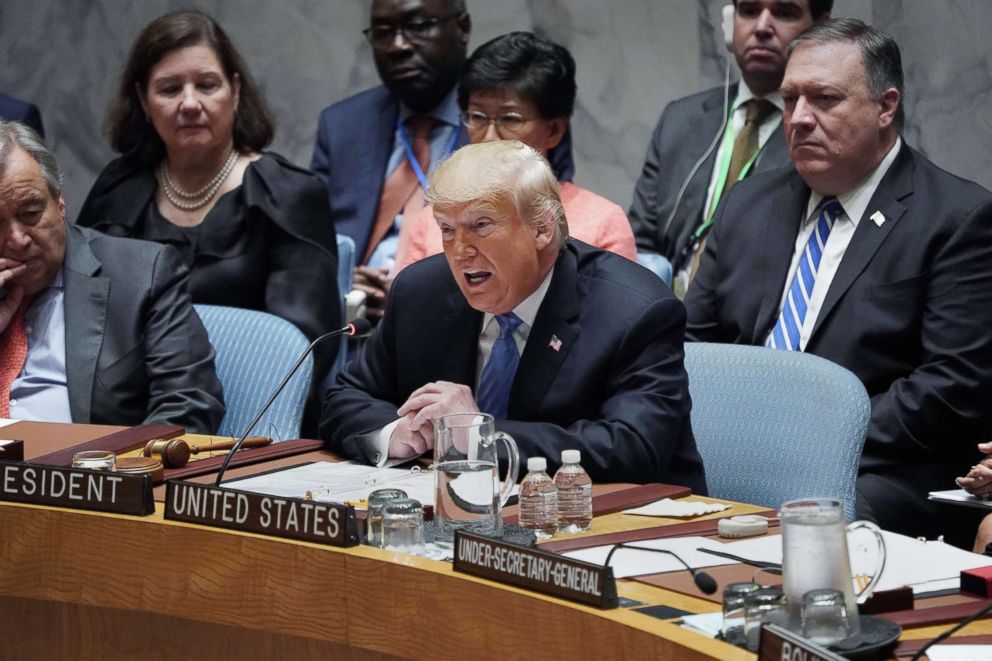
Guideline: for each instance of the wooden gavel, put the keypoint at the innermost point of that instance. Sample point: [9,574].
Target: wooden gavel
[175,453]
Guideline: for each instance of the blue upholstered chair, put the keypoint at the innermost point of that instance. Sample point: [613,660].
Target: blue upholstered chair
[657,264]
[254,351]
[776,425]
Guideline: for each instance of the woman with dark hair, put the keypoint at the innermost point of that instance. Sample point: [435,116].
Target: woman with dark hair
[190,126]
[521,87]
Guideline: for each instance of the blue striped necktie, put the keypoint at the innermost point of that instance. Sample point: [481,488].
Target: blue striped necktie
[787,330]
[497,375]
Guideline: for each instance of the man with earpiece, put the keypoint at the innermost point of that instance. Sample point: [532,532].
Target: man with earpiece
[706,142]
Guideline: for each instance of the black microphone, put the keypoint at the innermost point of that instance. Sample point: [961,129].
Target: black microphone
[355,328]
[703,581]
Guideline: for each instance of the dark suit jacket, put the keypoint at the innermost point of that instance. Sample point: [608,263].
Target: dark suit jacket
[616,389]
[12,110]
[135,349]
[351,154]
[908,310]
[685,130]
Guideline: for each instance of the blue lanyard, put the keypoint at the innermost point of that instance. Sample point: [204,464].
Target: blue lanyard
[410,156]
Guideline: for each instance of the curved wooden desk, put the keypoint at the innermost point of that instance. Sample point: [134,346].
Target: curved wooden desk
[86,585]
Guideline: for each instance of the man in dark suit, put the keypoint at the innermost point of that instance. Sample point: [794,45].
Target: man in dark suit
[13,110]
[673,222]
[419,47]
[592,342]
[93,329]
[869,255]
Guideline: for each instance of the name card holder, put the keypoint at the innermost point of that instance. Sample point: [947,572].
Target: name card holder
[76,488]
[12,450]
[331,524]
[780,644]
[532,569]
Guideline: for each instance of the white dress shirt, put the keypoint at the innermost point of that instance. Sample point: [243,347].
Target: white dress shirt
[526,310]
[855,204]
[41,390]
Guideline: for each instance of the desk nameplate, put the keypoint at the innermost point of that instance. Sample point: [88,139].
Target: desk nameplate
[76,488]
[331,524]
[779,644]
[533,569]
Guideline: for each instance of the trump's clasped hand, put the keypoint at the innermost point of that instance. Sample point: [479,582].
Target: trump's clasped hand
[414,435]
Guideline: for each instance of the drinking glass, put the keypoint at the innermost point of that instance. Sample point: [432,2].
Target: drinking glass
[733,611]
[98,460]
[824,616]
[764,606]
[373,519]
[403,526]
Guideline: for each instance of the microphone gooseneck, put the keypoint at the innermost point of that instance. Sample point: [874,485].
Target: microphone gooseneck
[354,328]
[705,582]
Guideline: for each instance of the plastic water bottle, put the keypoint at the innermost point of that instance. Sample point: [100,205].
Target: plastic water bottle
[574,494]
[538,500]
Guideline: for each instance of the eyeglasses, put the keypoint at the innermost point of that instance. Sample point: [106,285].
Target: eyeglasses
[508,123]
[418,31]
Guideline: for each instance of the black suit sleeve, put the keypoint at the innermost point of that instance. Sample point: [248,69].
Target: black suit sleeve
[702,303]
[945,400]
[644,210]
[320,161]
[179,361]
[366,395]
[32,117]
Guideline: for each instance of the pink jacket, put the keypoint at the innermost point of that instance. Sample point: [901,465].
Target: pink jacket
[591,218]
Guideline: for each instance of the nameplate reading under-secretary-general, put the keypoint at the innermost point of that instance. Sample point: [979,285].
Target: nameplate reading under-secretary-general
[293,518]
[103,491]
[536,570]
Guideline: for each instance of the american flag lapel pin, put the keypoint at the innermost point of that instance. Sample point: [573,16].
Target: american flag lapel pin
[555,343]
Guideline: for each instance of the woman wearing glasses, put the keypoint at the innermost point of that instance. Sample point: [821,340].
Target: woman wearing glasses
[521,87]
[190,125]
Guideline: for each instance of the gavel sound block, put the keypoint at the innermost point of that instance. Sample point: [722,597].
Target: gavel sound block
[175,453]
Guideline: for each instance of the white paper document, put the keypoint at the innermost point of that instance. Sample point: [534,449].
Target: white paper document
[339,482]
[923,566]
[7,421]
[960,497]
[631,562]
[960,653]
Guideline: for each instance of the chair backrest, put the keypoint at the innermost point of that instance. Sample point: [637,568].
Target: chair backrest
[254,352]
[776,425]
[657,264]
[346,270]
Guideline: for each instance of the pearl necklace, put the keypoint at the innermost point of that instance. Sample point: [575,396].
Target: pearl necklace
[192,201]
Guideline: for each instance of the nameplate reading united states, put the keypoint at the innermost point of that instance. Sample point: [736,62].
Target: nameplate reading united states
[541,571]
[292,518]
[77,488]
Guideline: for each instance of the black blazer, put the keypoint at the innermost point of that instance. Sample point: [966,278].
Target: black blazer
[135,350]
[908,310]
[266,246]
[13,110]
[684,131]
[616,388]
